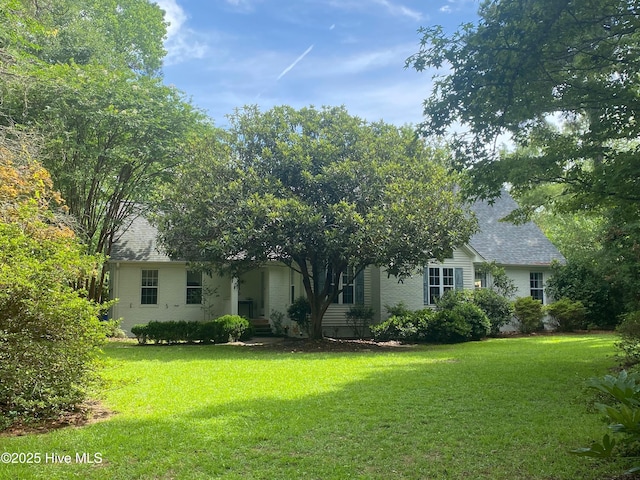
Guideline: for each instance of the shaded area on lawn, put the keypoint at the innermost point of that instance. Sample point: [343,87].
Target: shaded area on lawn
[504,409]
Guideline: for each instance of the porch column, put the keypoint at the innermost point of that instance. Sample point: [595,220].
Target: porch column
[234,296]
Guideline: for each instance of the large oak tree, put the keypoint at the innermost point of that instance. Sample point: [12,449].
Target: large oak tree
[318,190]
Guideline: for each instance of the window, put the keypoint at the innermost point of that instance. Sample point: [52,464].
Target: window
[438,280]
[536,286]
[149,292]
[352,288]
[194,287]
[480,279]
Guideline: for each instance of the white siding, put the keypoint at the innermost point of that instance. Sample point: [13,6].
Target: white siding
[126,278]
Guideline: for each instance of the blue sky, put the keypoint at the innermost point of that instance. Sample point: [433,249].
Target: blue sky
[228,53]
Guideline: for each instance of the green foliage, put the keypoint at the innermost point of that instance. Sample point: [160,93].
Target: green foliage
[529,313]
[623,416]
[567,315]
[228,328]
[398,310]
[583,280]
[112,328]
[475,318]
[500,282]
[629,343]
[406,327]
[318,189]
[299,312]
[497,308]
[277,323]
[359,318]
[49,332]
[448,326]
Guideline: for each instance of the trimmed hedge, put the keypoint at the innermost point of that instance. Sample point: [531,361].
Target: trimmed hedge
[228,328]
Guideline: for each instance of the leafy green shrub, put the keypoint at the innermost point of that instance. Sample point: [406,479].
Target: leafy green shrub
[49,332]
[448,326]
[496,307]
[299,312]
[140,331]
[476,318]
[233,328]
[112,328]
[623,416]
[528,312]
[359,317]
[567,315]
[410,327]
[221,330]
[398,310]
[629,343]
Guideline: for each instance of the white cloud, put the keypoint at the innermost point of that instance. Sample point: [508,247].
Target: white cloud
[397,9]
[182,43]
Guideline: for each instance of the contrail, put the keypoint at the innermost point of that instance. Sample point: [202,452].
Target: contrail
[286,70]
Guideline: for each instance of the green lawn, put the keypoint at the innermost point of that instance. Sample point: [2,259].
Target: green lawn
[498,409]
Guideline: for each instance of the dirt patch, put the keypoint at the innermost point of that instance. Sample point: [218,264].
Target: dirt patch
[86,414]
[325,345]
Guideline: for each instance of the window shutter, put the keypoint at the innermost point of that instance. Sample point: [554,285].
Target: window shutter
[425,286]
[359,288]
[459,279]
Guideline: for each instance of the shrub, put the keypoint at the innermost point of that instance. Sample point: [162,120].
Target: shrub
[233,328]
[528,312]
[629,343]
[567,315]
[410,327]
[112,328]
[497,308]
[49,332]
[299,312]
[623,415]
[476,318]
[140,331]
[448,326]
[221,330]
[397,310]
[359,317]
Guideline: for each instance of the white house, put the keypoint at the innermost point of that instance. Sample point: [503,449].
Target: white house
[151,286]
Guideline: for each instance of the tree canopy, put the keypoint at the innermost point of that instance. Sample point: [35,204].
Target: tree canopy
[527,65]
[84,75]
[556,81]
[318,190]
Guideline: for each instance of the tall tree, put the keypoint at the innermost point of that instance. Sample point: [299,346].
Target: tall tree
[110,138]
[114,33]
[82,74]
[318,190]
[526,65]
[559,79]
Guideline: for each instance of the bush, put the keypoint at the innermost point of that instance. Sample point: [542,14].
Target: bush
[528,312]
[448,326]
[49,332]
[112,328]
[359,317]
[410,327]
[567,315]
[476,318]
[622,415]
[299,312]
[497,308]
[629,343]
[221,330]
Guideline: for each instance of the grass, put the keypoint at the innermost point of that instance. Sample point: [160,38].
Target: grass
[498,409]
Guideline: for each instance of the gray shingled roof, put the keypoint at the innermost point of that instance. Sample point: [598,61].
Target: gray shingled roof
[510,244]
[504,242]
[138,243]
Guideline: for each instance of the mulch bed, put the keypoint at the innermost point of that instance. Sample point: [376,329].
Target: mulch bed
[302,345]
